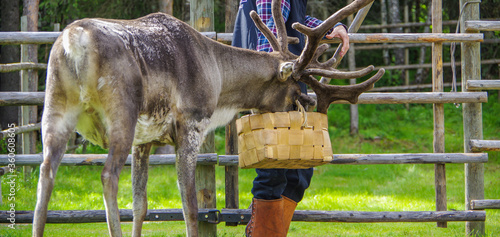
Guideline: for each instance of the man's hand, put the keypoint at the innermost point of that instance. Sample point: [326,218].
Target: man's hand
[341,33]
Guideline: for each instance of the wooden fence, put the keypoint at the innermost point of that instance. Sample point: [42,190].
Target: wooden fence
[474,145]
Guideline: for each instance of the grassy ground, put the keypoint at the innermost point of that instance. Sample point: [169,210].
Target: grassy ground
[383,129]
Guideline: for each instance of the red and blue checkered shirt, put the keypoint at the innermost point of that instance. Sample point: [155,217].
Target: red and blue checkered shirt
[264,9]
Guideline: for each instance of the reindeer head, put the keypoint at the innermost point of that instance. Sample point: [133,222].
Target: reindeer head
[304,67]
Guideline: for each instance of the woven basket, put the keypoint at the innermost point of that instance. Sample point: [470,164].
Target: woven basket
[291,140]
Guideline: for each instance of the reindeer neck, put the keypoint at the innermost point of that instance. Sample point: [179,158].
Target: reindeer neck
[247,66]
[245,75]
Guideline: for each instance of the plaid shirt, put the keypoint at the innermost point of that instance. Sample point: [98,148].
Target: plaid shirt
[264,9]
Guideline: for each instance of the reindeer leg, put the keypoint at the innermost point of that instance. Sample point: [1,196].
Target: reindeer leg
[139,185]
[56,129]
[58,122]
[118,153]
[121,135]
[189,139]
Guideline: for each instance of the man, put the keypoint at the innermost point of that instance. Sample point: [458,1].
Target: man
[277,191]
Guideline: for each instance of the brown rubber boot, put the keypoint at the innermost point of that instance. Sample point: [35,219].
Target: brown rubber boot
[267,219]
[289,206]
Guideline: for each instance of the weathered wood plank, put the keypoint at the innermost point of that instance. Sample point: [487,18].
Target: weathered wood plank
[422,158]
[472,115]
[482,25]
[394,38]
[93,216]
[364,217]
[36,98]
[408,87]
[410,38]
[403,158]
[29,83]
[28,37]
[21,98]
[231,172]
[372,217]
[7,38]
[301,215]
[399,25]
[484,145]
[202,19]
[12,67]
[50,37]
[485,204]
[376,46]
[438,109]
[419,98]
[20,129]
[99,159]
[428,65]
[483,84]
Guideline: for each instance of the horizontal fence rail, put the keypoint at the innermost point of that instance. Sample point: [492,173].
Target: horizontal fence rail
[421,98]
[482,25]
[428,65]
[12,67]
[36,98]
[403,158]
[484,145]
[483,84]
[243,215]
[21,98]
[410,45]
[20,129]
[92,216]
[392,38]
[99,159]
[409,87]
[50,37]
[229,160]
[485,204]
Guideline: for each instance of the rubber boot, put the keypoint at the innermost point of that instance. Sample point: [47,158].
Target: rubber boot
[289,206]
[267,219]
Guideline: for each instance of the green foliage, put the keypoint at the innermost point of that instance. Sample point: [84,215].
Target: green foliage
[66,11]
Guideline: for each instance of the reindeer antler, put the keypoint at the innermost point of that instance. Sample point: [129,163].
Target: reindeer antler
[307,64]
[326,94]
[314,35]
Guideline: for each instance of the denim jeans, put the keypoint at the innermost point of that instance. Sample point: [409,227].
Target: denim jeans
[272,183]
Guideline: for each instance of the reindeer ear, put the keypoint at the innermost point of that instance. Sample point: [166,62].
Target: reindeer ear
[286,69]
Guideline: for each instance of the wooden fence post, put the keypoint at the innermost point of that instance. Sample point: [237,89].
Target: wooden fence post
[437,86]
[351,59]
[232,171]
[407,50]
[202,19]
[472,116]
[29,83]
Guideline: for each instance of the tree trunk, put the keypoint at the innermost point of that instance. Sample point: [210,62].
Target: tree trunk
[9,54]
[29,80]
[383,17]
[395,18]
[422,73]
[231,11]
[167,6]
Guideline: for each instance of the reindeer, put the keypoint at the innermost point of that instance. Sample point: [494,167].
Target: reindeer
[155,80]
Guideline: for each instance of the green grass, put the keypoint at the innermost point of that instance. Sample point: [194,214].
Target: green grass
[383,129]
